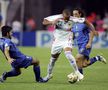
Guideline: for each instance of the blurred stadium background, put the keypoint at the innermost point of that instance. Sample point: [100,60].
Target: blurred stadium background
[25,16]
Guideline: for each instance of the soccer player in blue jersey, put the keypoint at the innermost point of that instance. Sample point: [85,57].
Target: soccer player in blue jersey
[15,58]
[83,34]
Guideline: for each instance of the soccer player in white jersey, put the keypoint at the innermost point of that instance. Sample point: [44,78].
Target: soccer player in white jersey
[62,41]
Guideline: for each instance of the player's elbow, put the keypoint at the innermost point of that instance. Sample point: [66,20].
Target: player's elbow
[44,22]
[92,32]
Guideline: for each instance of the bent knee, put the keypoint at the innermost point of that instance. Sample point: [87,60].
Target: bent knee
[86,63]
[36,62]
[79,61]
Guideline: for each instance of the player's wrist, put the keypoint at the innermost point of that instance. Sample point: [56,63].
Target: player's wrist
[10,59]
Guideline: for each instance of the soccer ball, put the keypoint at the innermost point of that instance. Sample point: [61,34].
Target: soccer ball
[72,78]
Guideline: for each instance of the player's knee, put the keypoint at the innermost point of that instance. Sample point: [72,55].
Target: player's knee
[36,62]
[79,61]
[86,63]
[78,58]
[79,64]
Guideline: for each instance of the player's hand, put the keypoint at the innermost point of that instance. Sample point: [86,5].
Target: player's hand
[96,33]
[10,60]
[55,22]
[88,46]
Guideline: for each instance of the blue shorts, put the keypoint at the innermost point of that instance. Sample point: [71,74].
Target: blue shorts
[22,63]
[82,50]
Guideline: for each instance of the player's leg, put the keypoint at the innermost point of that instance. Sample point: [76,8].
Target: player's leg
[55,52]
[70,57]
[12,73]
[82,56]
[79,60]
[37,72]
[51,64]
[36,69]
[92,60]
[84,60]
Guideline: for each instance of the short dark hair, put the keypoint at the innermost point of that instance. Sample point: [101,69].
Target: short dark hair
[67,12]
[80,11]
[5,30]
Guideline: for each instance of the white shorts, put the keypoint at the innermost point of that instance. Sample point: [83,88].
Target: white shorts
[57,47]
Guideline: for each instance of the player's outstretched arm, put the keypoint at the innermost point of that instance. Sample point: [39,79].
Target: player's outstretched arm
[91,26]
[92,33]
[46,22]
[89,44]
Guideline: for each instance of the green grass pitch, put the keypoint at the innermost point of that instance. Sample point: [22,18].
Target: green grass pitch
[96,76]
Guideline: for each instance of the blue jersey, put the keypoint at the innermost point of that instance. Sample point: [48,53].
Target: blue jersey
[13,51]
[81,32]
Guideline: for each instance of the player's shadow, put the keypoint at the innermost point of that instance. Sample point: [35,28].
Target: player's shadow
[23,82]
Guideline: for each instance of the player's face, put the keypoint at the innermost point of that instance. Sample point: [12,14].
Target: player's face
[10,35]
[65,16]
[76,14]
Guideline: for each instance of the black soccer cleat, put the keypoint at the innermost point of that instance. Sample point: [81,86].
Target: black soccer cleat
[41,80]
[3,77]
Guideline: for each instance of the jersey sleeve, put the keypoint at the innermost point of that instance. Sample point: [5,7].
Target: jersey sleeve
[79,20]
[53,17]
[7,43]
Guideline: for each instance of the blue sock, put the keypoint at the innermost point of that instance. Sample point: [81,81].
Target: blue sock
[12,73]
[36,70]
[80,70]
[92,60]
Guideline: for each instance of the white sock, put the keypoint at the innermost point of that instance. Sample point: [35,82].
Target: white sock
[72,60]
[51,65]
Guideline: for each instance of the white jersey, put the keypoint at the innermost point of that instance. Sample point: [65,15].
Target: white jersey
[63,30]
[62,36]
[62,33]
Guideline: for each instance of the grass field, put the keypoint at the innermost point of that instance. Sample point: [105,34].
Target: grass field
[96,76]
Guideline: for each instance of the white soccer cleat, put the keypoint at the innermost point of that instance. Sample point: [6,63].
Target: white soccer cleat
[48,77]
[102,59]
[80,76]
